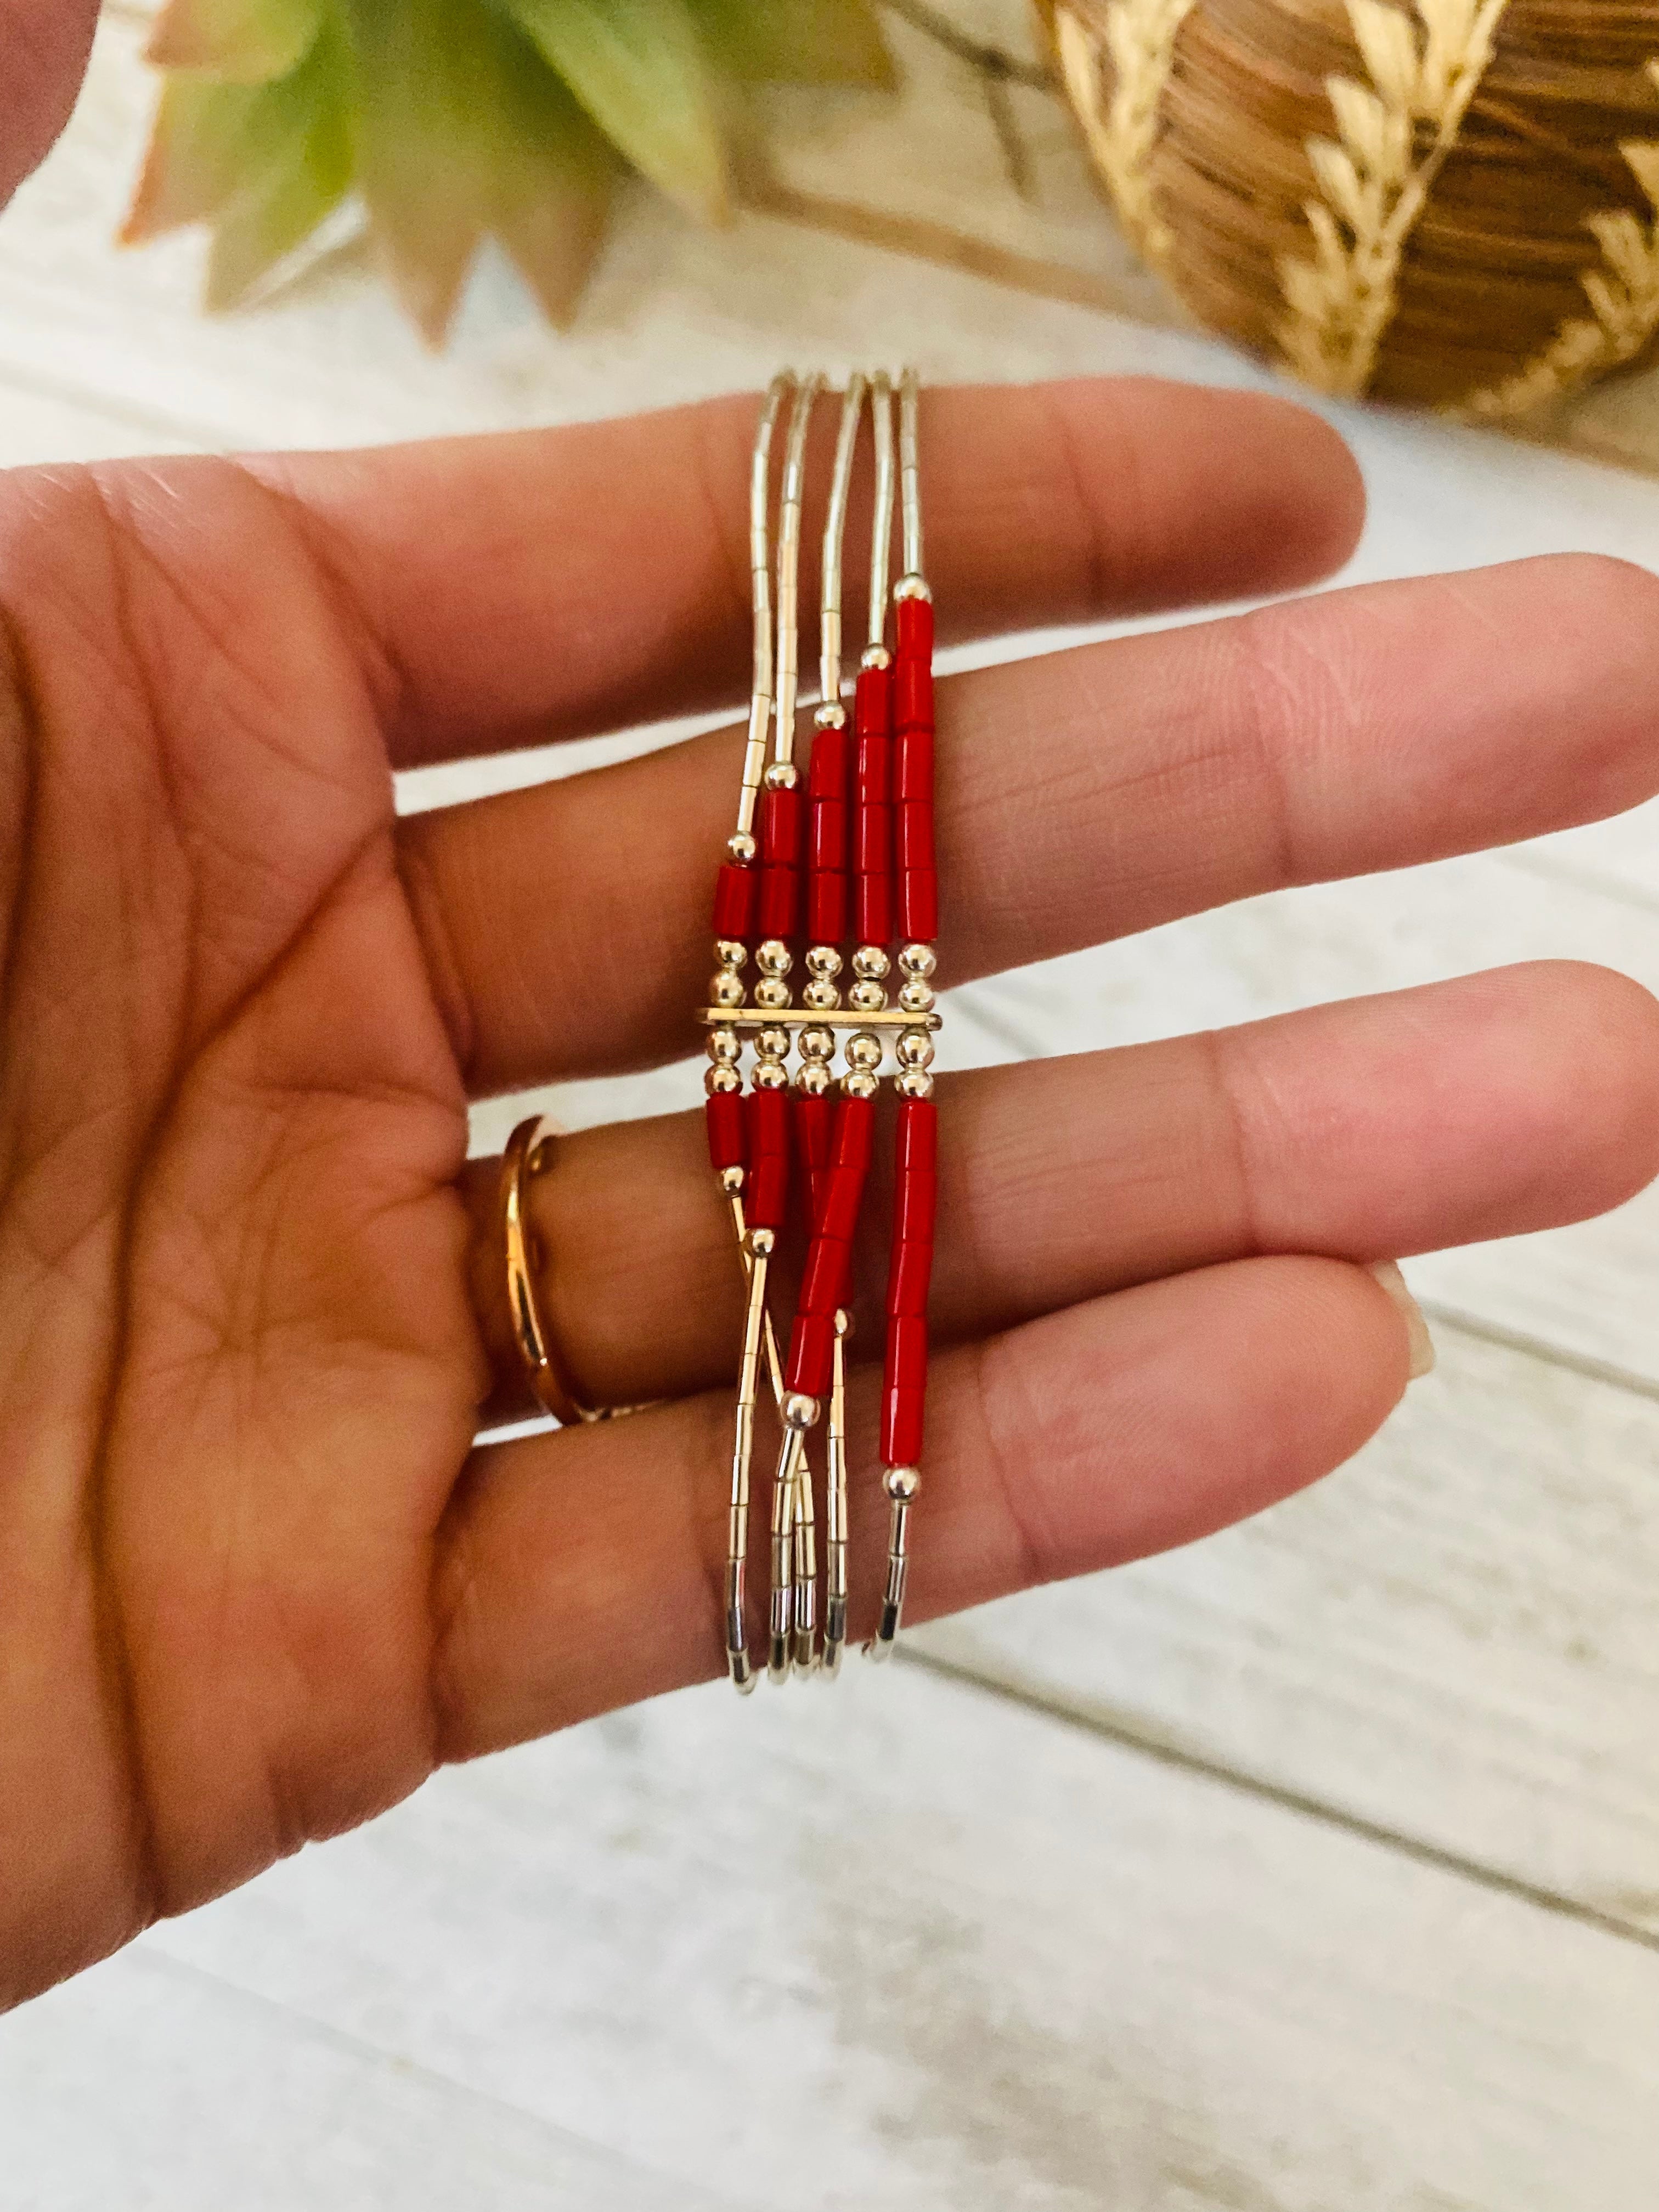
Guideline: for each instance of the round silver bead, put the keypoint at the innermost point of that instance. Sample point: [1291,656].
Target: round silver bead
[731,953]
[915,1049]
[723,1045]
[731,1180]
[770,1075]
[914,1083]
[859,1083]
[775,957]
[875,656]
[800,1411]
[902,1484]
[832,716]
[912,587]
[719,1078]
[781,777]
[871,963]
[866,998]
[864,1051]
[822,997]
[771,991]
[725,989]
[773,1044]
[761,1242]
[814,1079]
[740,846]
[918,959]
[824,960]
[916,997]
[817,1043]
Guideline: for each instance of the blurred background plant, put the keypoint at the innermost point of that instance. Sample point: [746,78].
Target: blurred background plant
[455,120]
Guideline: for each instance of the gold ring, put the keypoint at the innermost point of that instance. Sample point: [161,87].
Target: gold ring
[528,1153]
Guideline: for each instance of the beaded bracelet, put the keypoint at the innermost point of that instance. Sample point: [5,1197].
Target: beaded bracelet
[861,832]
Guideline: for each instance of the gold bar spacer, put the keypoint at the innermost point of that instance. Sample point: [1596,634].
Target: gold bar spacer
[806,1018]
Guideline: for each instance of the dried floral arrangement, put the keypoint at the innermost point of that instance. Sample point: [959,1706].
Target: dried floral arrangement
[454,120]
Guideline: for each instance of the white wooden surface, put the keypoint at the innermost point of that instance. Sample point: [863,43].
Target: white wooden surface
[1317,1867]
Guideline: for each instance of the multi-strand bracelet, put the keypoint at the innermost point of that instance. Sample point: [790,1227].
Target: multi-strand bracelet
[857,840]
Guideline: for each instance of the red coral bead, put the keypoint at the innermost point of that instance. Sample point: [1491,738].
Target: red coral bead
[916,1138]
[734,901]
[855,1129]
[873,908]
[783,826]
[826,908]
[826,770]
[812,1354]
[779,910]
[918,906]
[915,628]
[726,1148]
[913,774]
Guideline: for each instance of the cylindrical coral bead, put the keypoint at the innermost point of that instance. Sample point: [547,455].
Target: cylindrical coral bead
[855,1130]
[918,905]
[826,907]
[915,628]
[783,825]
[780,900]
[873,909]
[829,847]
[913,842]
[727,1146]
[915,1141]
[912,693]
[827,1267]
[826,771]
[903,1420]
[815,1137]
[914,1203]
[734,901]
[909,1274]
[811,1353]
[769,1159]
[913,769]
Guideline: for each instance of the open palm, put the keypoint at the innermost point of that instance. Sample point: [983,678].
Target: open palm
[254,1579]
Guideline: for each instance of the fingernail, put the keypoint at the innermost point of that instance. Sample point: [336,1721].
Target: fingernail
[1390,1279]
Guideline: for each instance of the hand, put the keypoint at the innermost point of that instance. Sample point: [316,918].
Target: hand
[254,1580]
[44,45]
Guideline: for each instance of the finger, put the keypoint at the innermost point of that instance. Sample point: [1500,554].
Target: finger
[515,590]
[1081,797]
[44,44]
[1370,1130]
[583,1569]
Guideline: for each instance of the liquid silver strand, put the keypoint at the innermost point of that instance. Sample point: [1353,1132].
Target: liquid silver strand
[792,1493]
[831,713]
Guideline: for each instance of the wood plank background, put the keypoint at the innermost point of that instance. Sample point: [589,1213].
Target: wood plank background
[1313,1869]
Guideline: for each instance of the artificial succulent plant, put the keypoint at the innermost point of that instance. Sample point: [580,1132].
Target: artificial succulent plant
[452,120]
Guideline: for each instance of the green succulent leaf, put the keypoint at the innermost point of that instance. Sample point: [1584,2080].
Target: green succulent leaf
[463,129]
[238,41]
[639,69]
[264,224]
[457,120]
[796,41]
[216,145]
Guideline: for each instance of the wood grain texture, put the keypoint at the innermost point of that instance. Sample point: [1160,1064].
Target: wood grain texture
[1452,1638]
[904,1945]
[154,2086]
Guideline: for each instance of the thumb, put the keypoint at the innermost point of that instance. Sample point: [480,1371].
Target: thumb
[43,55]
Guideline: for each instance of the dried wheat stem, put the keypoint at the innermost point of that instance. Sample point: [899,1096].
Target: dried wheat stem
[1140,38]
[1373,184]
